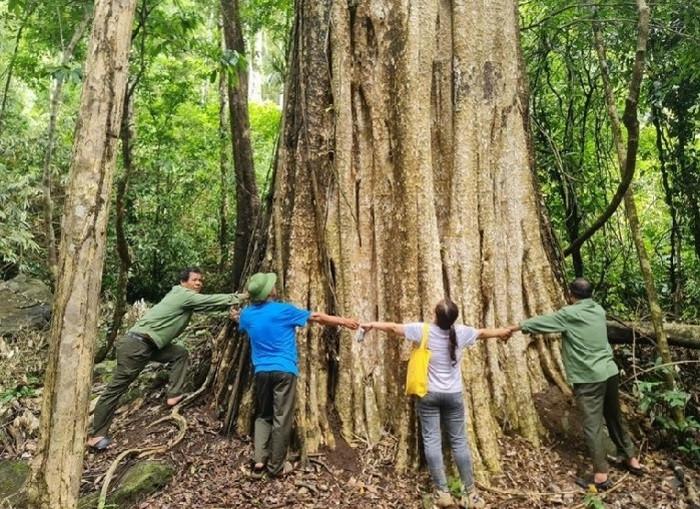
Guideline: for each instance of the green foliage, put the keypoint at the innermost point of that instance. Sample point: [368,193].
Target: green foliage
[265,123]
[656,401]
[17,241]
[593,501]
[20,391]
[575,158]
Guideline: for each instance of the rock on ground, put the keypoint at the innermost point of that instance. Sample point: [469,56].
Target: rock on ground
[25,303]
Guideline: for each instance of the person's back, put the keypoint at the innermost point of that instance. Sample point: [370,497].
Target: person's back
[444,374]
[271,327]
[586,352]
[591,370]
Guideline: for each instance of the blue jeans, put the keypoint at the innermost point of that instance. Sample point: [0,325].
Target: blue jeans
[448,406]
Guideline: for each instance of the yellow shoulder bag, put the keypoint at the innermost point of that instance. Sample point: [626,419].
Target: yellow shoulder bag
[417,372]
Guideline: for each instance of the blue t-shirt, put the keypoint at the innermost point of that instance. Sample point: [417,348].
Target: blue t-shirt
[271,327]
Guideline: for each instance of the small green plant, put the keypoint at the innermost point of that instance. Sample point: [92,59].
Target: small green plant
[593,501]
[21,391]
[455,485]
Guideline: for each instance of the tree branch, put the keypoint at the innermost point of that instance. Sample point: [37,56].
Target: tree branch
[630,120]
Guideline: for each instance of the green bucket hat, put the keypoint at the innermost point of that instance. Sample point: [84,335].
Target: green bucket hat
[260,285]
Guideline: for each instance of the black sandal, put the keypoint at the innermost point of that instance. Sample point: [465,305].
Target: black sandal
[257,472]
[597,486]
[603,486]
[102,445]
[636,471]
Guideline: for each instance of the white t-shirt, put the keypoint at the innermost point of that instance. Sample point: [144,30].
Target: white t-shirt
[442,375]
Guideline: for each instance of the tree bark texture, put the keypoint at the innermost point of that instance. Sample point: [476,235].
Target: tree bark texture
[247,200]
[224,173]
[57,470]
[404,174]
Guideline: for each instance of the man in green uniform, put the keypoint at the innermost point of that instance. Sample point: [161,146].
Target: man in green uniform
[591,370]
[150,339]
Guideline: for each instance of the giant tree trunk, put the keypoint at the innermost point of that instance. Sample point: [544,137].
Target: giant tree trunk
[58,466]
[247,201]
[404,174]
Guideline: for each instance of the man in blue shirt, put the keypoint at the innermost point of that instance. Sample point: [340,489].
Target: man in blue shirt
[271,326]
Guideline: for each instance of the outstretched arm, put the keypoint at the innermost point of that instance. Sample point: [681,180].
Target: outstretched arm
[212,301]
[500,332]
[543,324]
[396,328]
[324,319]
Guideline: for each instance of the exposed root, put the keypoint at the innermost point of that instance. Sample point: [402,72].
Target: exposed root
[537,494]
[144,452]
[524,494]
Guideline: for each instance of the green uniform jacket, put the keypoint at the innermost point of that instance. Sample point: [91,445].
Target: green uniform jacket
[167,319]
[587,354]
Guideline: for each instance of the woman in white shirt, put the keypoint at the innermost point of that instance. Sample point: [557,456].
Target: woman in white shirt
[444,400]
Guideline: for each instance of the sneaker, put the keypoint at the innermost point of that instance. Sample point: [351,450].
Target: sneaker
[473,500]
[442,499]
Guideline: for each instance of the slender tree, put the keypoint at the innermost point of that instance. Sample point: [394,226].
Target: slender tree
[29,8]
[626,158]
[247,200]
[57,469]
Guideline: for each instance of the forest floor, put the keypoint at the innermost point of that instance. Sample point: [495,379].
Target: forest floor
[211,471]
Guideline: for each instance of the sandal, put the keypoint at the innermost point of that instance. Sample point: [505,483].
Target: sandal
[636,471]
[594,486]
[603,486]
[102,444]
[257,472]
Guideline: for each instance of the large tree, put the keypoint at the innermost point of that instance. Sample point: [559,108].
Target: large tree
[57,470]
[404,174]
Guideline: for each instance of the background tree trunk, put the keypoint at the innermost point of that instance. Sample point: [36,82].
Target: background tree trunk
[404,173]
[56,95]
[57,470]
[29,10]
[223,172]
[127,136]
[247,200]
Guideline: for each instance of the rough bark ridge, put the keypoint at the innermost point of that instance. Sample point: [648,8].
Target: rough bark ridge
[58,465]
[404,174]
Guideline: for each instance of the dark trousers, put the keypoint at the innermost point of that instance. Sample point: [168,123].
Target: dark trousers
[275,392]
[600,404]
[133,353]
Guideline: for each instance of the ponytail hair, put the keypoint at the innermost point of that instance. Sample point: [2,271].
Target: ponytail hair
[446,313]
[453,345]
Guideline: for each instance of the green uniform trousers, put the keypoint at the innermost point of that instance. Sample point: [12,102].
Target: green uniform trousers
[133,353]
[599,404]
[275,394]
